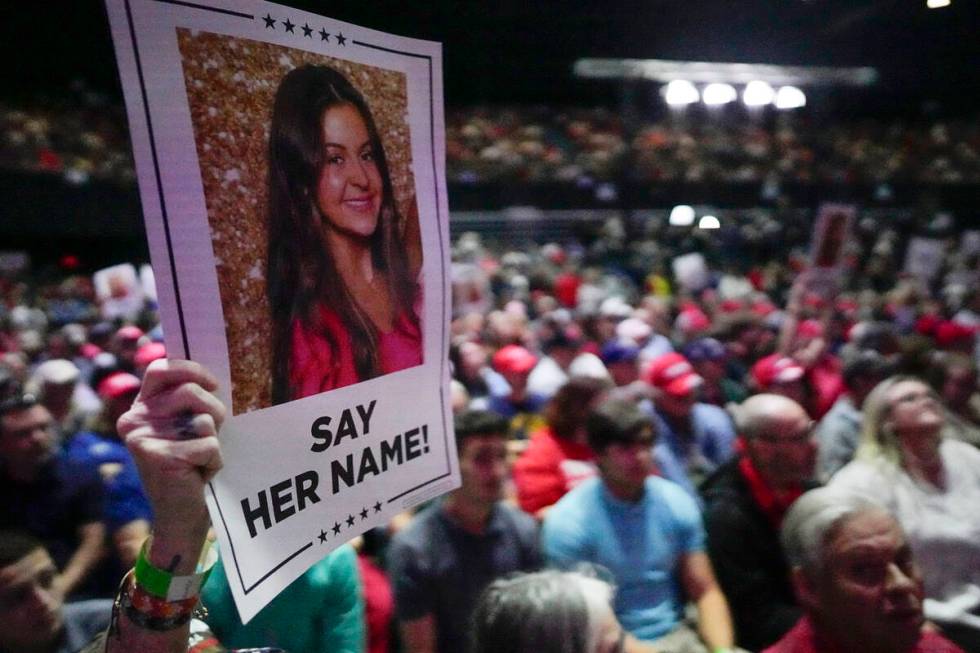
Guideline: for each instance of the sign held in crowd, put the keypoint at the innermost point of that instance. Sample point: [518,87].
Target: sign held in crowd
[292,176]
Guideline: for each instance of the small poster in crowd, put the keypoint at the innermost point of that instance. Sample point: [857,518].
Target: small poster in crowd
[924,257]
[831,233]
[691,272]
[12,262]
[119,292]
[291,170]
[970,243]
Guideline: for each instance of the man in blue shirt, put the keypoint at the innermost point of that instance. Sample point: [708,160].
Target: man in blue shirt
[694,438]
[645,530]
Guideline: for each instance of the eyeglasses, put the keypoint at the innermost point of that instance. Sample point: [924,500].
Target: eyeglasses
[16,402]
[804,435]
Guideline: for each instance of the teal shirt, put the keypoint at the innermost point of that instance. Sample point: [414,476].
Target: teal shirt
[321,611]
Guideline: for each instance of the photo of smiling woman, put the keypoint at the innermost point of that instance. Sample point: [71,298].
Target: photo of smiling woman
[343,263]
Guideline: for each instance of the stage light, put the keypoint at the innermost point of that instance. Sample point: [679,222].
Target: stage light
[790,97]
[709,222]
[716,94]
[757,94]
[682,215]
[680,92]
[937,4]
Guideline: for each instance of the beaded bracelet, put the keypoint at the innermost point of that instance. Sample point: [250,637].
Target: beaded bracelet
[152,612]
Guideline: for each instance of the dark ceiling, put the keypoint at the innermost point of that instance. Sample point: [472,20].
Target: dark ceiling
[521,50]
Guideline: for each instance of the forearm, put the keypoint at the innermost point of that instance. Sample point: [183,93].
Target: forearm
[177,550]
[90,551]
[714,620]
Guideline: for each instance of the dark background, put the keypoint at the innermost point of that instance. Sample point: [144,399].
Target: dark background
[522,50]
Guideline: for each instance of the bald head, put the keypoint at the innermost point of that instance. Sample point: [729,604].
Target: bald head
[778,436]
[759,413]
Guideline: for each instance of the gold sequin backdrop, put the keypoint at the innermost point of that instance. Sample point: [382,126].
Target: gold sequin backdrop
[231,83]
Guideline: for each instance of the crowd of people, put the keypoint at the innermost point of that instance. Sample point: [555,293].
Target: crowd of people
[525,144]
[656,439]
[81,137]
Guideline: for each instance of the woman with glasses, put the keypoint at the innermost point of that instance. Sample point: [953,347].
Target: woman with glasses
[932,485]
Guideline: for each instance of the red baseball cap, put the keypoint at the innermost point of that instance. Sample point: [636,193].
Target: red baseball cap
[809,329]
[776,368]
[129,332]
[514,358]
[950,332]
[150,352]
[673,374]
[118,384]
[692,320]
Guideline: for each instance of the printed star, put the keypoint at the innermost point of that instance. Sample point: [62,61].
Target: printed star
[377,506]
[350,520]
[289,26]
[307,30]
[341,39]
[323,536]
[324,35]
[363,514]
[336,528]
[270,22]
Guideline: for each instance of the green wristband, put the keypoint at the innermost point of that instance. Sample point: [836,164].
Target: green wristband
[163,584]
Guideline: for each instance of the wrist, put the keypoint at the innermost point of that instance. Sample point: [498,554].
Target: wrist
[175,582]
[177,552]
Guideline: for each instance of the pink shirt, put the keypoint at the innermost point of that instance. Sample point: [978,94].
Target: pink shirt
[315,366]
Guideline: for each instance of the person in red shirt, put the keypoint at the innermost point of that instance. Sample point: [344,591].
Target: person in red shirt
[558,457]
[854,574]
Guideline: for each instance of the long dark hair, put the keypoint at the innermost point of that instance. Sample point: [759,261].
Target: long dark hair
[301,272]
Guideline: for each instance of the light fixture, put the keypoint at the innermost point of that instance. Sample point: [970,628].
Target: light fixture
[709,222]
[715,94]
[937,4]
[790,97]
[680,92]
[682,215]
[757,94]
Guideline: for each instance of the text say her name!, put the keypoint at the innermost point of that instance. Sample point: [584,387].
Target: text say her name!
[286,498]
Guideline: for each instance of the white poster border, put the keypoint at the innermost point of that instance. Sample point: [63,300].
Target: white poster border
[133,19]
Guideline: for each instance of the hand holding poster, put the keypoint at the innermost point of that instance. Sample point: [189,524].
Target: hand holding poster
[292,176]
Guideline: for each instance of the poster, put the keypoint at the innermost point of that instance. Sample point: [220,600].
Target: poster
[924,258]
[291,169]
[970,243]
[691,272]
[831,233]
[118,291]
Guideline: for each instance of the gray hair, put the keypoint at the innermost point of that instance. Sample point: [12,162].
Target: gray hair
[543,612]
[814,518]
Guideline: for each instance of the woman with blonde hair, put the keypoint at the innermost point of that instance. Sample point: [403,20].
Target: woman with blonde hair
[932,485]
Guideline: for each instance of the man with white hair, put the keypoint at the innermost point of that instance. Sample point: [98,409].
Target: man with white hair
[854,574]
[745,501]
